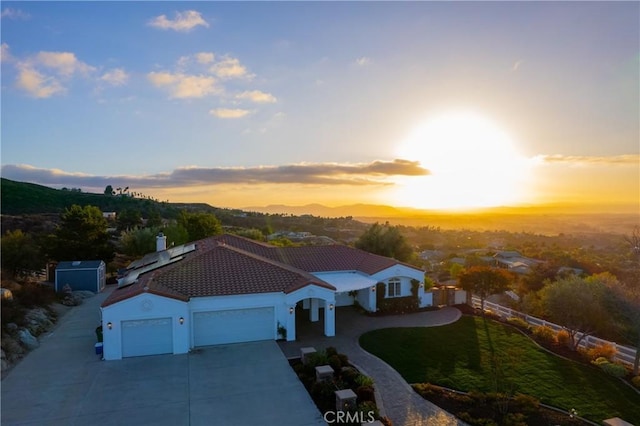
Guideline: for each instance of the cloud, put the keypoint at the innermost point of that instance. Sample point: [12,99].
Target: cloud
[229,113]
[183,22]
[363,61]
[516,65]
[46,73]
[14,14]
[5,55]
[36,84]
[229,67]
[612,160]
[184,85]
[205,57]
[357,174]
[257,96]
[63,63]
[115,77]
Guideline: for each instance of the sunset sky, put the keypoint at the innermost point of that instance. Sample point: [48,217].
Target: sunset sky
[421,104]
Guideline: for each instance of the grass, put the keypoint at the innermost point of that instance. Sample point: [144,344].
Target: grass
[473,354]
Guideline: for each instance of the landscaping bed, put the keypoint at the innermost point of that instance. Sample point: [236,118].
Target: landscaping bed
[345,376]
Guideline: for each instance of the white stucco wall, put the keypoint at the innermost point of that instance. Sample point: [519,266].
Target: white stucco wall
[141,307]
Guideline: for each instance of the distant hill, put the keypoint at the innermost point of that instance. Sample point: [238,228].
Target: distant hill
[21,198]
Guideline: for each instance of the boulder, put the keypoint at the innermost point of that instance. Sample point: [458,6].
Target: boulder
[38,321]
[12,327]
[27,339]
[83,294]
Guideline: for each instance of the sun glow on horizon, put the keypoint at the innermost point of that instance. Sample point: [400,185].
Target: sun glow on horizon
[473,163]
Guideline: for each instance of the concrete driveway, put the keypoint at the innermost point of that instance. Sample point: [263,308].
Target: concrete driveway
[63,382]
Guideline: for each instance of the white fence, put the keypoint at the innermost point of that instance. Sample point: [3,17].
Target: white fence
[624,354]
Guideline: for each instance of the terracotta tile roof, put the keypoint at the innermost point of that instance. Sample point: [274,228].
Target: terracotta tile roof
[229,264]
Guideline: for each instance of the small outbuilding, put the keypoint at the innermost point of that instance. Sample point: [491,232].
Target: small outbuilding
[81,275]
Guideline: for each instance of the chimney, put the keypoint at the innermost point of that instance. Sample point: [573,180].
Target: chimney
[161,242]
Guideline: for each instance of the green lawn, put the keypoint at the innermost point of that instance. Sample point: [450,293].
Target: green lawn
[472,354]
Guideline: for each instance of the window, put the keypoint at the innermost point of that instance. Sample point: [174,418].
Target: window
[394,288]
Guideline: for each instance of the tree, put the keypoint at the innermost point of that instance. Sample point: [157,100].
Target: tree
[176,235]
[577,304]
[154,220]
[200,225]
[385,240]
[81,235]
[139,241]
[484,281]
[128,219]
[108,190]
[624,302]
[20,254]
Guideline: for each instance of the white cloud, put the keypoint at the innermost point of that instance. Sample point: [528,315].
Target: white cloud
[115,77]
[363,61]
[64,63]
[183,22]
[229,68]
[205,57]
[37,84]
[14,14]
[516,65]
[257,96]
[585,160]
[184,85]
[229,113]
[5,55]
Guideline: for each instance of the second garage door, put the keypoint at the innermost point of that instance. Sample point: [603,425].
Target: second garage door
[233,326]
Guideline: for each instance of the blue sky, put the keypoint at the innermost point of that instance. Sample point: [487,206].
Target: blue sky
[237,104]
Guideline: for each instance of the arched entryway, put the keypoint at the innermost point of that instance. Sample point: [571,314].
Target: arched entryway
[317,305]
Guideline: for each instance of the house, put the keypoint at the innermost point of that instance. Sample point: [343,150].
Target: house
[81,275]
[229,289]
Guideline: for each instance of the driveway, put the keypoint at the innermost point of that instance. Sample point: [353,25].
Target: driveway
[63,382]
[399,402]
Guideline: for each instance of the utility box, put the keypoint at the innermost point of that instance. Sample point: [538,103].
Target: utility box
[324,373]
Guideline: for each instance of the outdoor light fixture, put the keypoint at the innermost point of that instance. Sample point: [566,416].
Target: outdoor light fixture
[373,289]
[181,320]
[291,310]
[331,306]
[109,325]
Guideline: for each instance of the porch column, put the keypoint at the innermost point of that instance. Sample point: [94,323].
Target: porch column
[314,314]
[372,299]
[291,323]
[330,318]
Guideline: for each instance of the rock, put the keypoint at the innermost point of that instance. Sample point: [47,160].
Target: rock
[11,348]
[12,327]
[83,294]
[38,321]
[27,339]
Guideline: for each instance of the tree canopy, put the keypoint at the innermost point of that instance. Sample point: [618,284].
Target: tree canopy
[20,253]
[385,240]
[578,305]
[81,235]
[484,281]
[199,225]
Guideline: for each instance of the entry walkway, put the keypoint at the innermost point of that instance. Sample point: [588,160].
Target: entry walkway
[400,403]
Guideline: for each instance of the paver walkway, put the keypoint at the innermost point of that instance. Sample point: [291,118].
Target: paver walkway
[399,402]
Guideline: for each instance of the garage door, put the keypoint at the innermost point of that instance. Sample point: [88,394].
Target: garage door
[233,326]
[147,337]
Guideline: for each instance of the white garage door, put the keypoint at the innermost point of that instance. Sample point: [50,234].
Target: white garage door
[147,337]
[233,326]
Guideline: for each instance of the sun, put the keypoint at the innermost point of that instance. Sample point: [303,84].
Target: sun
[472,163]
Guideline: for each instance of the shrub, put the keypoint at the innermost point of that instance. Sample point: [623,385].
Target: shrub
[526,403]
[519,322]
[398,305]
[424,389]
[599,361]
[544,333]
[363,380]
[368,409]
[317,358]
[335,363]
[615,370]
[606,350]
[514,419]
[636,382]
[365,393]
[563,338]
[331,351]
[344,359]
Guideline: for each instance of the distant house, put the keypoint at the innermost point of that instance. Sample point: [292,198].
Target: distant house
[229,289]
[81,275]
[109,215]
